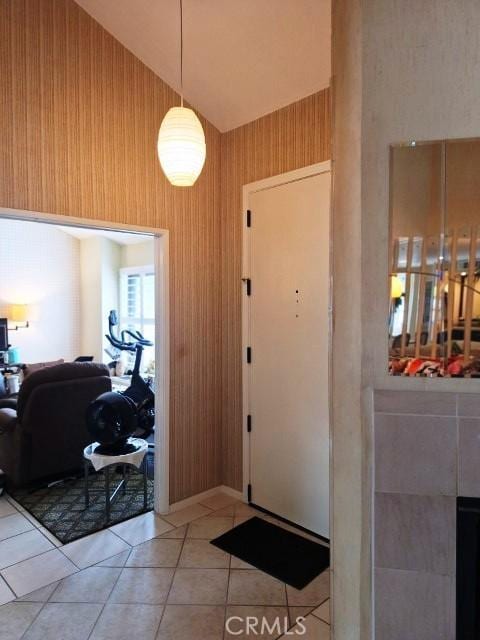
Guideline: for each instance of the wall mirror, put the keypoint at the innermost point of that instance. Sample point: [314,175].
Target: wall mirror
[434,277]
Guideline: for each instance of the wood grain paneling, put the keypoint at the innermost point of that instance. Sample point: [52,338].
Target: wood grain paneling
[79,123]
[293,137]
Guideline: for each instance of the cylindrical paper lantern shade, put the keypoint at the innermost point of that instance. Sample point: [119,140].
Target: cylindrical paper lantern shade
[181,146]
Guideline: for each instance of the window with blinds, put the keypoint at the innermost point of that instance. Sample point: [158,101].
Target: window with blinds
[137,307]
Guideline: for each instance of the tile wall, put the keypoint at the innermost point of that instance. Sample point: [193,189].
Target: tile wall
[427,452]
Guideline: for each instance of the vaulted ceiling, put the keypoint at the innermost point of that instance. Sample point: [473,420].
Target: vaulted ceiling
[242,58]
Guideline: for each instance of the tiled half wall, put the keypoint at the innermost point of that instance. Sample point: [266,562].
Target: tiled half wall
[427,452]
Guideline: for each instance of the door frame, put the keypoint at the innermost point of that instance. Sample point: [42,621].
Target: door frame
[162,330]
[247,191]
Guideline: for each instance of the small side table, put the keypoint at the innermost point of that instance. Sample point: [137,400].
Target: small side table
[99,461]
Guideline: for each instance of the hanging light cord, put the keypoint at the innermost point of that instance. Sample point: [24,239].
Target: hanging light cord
[181,52]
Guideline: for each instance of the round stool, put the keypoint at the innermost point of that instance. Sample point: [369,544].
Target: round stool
[136,458]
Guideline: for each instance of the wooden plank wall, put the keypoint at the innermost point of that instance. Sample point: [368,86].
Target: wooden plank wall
[79,122]
[293,137]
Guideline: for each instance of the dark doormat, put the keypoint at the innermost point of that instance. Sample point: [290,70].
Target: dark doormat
[61,508]
[284,555]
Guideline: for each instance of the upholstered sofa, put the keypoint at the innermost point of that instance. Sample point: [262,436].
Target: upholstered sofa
[43,433]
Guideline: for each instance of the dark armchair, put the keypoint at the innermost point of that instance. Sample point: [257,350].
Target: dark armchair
[43,433]
[5,400]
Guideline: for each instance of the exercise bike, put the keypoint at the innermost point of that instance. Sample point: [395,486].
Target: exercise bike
[115,416]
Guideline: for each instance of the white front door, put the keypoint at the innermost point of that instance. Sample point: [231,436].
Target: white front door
[288,376]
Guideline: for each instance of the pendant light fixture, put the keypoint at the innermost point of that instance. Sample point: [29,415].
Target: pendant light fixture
[181,140]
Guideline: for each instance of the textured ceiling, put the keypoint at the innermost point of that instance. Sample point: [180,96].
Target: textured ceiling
[242,58]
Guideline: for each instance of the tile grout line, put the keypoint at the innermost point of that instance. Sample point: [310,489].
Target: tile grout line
[319,605]
[140,515]
[237,604]
[212,511]
[11,501]
[96,620]
[120,604]
[21,534]
[79,569]
[32,558]
[205,515]
[42,530]
[37,527]
[54,548]
[15,513]
[417,415]
[318,617]
[290,626]
[9,566]
[160,604]
[171,583]
[228,588]
[83,538]
[2,580]
[288,615]
[177,566]
[34,619]
[74,563]
[106,600]
[51,599]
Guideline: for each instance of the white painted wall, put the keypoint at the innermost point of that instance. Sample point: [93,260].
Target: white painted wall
[137,255]
[70,285]
[101,260]
[40,266]
[90,288]
[111,263]
[100,263]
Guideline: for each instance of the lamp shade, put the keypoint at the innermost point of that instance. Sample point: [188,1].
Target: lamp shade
[18,313]
[181,146]
[396,287]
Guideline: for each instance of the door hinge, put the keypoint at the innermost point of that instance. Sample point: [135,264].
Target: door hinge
[249,423]
[248,282]
[249,355]
[249,218]
[249,493]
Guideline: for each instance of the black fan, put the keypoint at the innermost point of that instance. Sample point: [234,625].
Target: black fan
[111,420]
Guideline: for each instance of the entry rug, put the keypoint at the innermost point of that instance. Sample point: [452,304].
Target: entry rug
[282,554]
[61,508]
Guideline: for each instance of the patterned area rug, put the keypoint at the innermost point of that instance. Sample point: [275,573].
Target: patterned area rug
[61,508]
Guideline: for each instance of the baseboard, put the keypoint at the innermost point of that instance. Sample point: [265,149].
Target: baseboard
[232,492]
[188,502]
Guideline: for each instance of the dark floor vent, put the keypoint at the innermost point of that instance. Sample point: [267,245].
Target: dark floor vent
[468,569]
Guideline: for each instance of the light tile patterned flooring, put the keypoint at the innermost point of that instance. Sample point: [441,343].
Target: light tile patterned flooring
[151,578]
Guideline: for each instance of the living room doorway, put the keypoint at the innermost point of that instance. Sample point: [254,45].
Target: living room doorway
[137,287]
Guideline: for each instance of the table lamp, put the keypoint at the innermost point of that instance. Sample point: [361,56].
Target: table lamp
[18,316]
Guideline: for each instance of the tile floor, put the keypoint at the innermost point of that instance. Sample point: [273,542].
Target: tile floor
[155,578]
